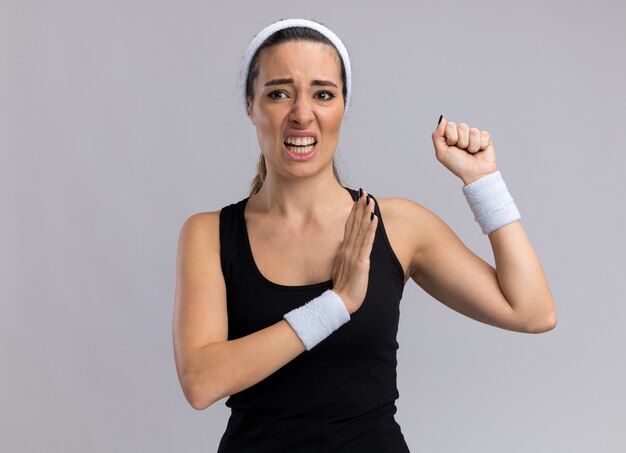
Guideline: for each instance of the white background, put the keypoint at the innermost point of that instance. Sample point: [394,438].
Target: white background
[120,119]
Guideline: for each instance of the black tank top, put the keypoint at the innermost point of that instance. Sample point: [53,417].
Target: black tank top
[345,383]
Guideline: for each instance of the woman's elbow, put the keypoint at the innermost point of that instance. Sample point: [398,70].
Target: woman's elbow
[200,405]
[198,402]
[198,395]
[543,323]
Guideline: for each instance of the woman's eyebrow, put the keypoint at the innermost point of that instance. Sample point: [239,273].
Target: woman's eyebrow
[324,83]
[279,82]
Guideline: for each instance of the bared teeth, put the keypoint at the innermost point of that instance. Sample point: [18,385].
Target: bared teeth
[300,141]
[300,149]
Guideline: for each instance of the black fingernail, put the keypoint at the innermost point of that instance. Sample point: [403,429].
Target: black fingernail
[440,118]
[360,193]
[367,200]
[371,216]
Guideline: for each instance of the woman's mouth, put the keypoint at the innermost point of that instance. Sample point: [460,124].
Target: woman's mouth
[300,145]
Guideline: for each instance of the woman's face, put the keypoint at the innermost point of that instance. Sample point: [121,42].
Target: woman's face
[297,107]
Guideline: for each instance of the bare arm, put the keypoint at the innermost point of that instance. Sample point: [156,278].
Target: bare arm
[521,278]
[209,366]
[513,296]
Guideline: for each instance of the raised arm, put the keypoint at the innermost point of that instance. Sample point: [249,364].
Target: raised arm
[209,366]
[515,294]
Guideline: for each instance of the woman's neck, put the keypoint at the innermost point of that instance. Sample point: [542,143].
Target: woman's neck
[302,198]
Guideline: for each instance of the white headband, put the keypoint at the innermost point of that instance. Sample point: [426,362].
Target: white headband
[287,23]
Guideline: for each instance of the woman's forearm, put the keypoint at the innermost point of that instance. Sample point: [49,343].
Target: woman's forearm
[521,277]
[222,368]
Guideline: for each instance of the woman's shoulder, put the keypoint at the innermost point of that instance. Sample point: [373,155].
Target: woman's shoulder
[409,221]
[403,210]
[203,218]
[209,221]
[202,228]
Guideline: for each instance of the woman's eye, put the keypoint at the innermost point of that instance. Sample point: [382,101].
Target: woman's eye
[325,95]
[276,95]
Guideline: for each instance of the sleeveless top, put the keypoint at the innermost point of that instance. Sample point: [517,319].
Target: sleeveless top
[346,383]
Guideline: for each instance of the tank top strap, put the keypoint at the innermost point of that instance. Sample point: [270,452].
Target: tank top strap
[382,232]
[232,247]
[392,258]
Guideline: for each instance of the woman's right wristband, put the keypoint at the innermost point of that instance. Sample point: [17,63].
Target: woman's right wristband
[318,318]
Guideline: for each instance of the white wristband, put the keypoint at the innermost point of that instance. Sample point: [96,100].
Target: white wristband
[318,318]
[491,202]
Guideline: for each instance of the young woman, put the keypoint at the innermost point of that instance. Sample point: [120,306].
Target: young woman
[288,301]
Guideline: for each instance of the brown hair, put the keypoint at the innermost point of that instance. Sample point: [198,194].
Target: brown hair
[280,37]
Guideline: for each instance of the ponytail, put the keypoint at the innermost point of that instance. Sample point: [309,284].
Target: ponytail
[261,172]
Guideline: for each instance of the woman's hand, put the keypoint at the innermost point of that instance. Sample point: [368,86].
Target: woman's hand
[466,152]
[352,264]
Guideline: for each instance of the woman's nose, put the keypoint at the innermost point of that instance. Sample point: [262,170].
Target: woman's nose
[301,111]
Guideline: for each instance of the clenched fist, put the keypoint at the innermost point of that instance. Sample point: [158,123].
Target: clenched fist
[465,151]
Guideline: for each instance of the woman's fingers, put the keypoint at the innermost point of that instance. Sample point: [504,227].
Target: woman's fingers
[463,134]
[467,152]
[362,206]
[366,219]
[368,237]
[347,231]
[474,140]
[351,267]
[463,137]
[354,221]
[485,139]
[365,216]
[357,233]
[452,136]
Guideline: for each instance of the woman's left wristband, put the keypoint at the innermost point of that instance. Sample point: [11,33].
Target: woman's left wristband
[491,202]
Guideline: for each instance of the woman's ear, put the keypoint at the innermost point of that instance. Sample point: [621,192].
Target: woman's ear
[250,112]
